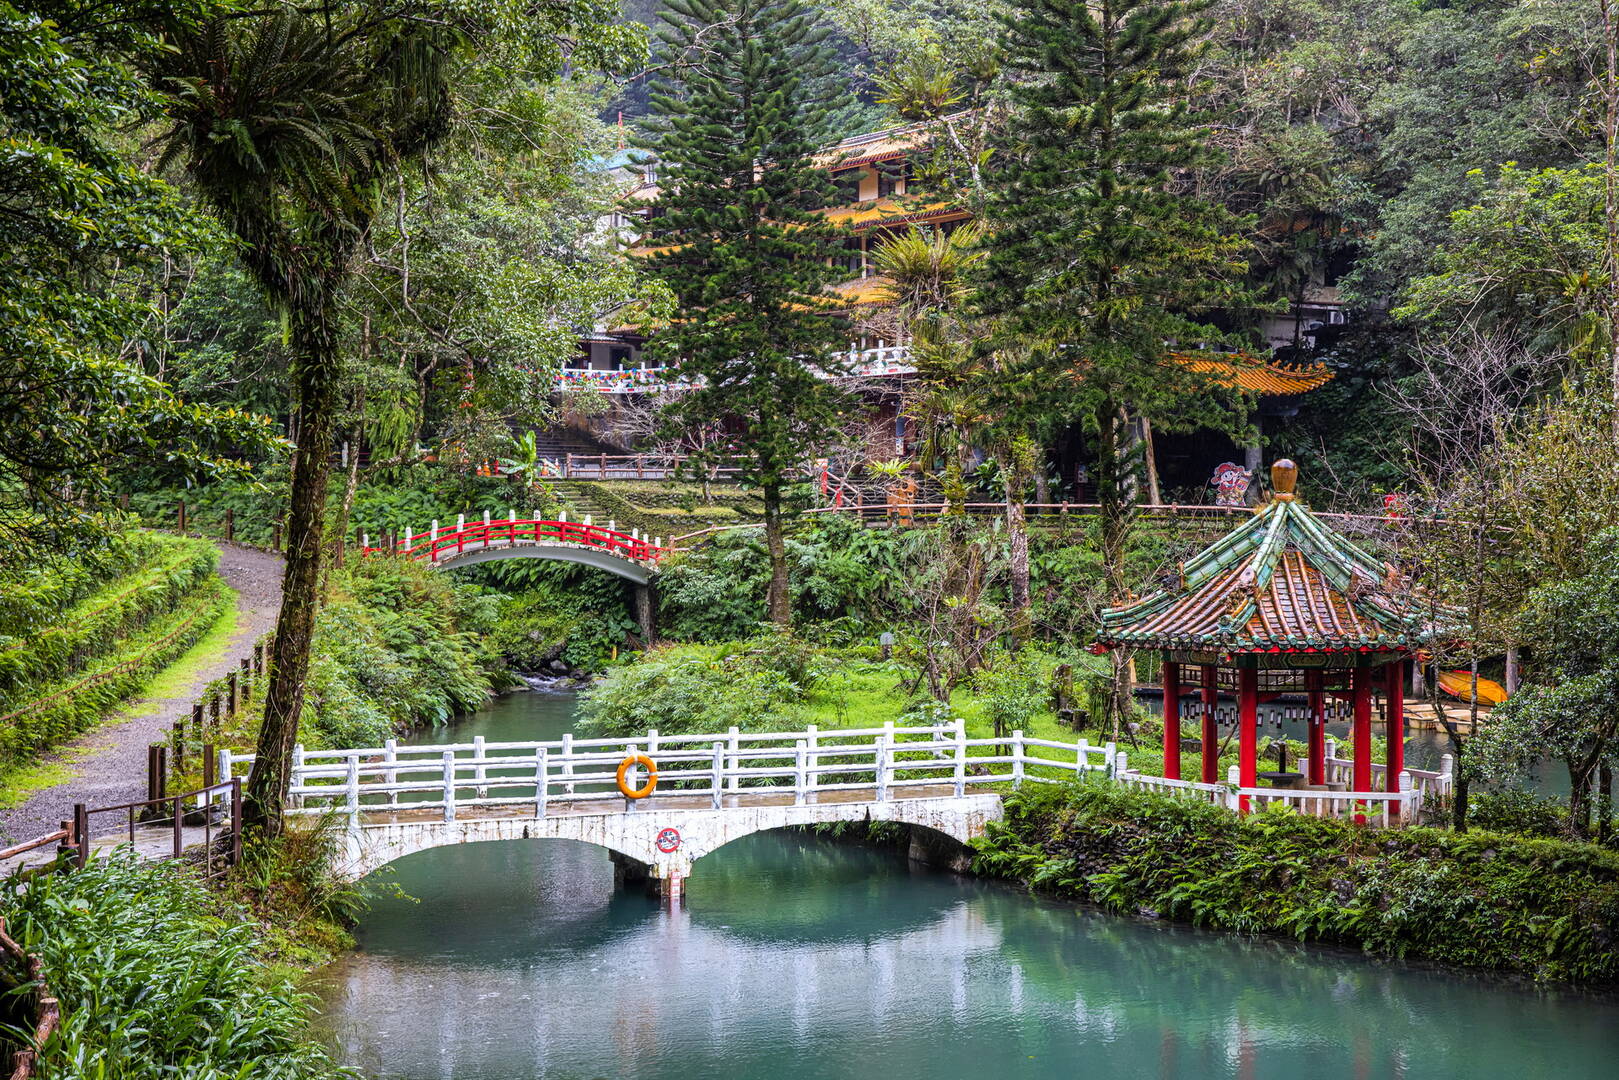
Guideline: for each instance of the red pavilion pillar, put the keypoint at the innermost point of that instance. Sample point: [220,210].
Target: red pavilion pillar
[1394,688]
[1361,697]
[1172,720]
[1247,731]
[1211,729]
[1318,726]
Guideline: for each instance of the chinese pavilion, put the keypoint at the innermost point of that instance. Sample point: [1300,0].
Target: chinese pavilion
[1281,604]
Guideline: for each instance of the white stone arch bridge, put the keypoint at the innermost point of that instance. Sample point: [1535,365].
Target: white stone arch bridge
[711,789]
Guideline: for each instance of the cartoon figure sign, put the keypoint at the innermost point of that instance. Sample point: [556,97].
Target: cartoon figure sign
[669,841]
[1230,483]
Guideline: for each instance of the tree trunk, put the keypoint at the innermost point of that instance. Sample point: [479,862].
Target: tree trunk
[1579,800]
[1458,814]
[316,377]
[1113,513]
[779,606]
[1604,803]
[1017,535]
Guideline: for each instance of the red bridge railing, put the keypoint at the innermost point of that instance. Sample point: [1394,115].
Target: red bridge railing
[441,544]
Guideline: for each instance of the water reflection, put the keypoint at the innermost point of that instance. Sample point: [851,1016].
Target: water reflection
[806,958]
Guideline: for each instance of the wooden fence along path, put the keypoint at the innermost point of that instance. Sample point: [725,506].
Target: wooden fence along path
[736,769]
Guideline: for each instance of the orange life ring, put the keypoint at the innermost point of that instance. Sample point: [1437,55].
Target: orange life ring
[631,762]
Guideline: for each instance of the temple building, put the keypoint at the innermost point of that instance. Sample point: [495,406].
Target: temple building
[874,174]
[1283,604]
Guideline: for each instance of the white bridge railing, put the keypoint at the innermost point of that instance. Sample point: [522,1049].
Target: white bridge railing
[543,777]
[547,775]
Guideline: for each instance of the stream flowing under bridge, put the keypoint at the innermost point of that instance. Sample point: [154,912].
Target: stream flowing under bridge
[703,791]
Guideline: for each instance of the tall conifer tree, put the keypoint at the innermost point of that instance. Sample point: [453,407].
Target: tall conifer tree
[740,109]
[1101,254]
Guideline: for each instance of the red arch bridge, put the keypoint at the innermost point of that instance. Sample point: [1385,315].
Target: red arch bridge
[628,554]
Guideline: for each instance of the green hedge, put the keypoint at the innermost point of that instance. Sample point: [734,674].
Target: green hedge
[174,568]
[1541,908]
[33,595]
[61,710]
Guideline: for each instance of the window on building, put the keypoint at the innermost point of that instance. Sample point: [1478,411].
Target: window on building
[847,183]
[618,358]
[891,176]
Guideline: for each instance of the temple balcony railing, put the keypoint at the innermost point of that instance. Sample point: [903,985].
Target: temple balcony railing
[878,362]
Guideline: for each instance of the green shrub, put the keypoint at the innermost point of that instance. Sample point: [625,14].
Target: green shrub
[58,710]
[691,689]
[174,567]
[1540,908]
[1513,810]
[568,612]
[397,644]
[157,979]
[33,595]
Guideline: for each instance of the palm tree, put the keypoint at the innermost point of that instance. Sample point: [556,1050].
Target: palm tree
[286,122]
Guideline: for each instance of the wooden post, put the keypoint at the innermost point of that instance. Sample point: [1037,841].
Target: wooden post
[209,766]
[231,693]
[275,534]
[1247,731]
[214,710]
[179,746]
[180,518]
[1318,726]
[1172,720]
[81,832]
[246,673]
[1361,693]
[230,525]
[1210,695]
[1394,731]
[236,821]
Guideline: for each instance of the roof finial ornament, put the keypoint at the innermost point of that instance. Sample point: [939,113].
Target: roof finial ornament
[1283,474]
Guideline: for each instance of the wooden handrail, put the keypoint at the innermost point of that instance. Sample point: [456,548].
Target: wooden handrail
[47,1010]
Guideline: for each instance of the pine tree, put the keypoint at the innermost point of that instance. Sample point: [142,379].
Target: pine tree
[739,111]
[1101,256]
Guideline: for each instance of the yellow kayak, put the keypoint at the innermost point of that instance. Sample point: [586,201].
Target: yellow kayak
[1456,684]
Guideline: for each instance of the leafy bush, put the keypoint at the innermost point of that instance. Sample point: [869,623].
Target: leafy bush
[33,595]
[397,644]
[688,689]
[1513,810]
[61,709]
[174,567]
[1541,908]
[567,612]
[156,979]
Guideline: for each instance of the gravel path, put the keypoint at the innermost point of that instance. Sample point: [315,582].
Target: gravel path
[109,762]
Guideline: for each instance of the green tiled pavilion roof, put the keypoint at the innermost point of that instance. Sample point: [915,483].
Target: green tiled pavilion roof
[1283,581]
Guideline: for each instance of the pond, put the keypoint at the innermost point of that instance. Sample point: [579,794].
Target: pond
[799,956]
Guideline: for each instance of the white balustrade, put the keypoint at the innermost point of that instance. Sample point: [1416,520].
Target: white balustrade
[880,764]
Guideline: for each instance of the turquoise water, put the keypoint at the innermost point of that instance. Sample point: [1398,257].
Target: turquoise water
[795,956]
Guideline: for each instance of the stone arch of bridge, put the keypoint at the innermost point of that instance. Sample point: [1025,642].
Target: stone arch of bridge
[940,832]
